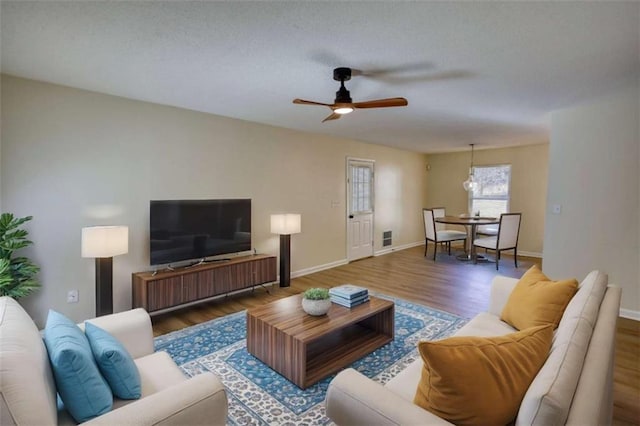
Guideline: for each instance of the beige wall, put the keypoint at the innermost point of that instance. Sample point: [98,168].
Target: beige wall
[73,158]
[528,186]
[594,175]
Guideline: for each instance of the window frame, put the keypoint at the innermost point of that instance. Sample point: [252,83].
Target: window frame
[499,198]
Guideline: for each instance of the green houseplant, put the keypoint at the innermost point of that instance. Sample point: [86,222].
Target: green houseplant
[316,301]
[17,273]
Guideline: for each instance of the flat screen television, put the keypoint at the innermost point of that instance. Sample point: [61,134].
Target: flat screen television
[183,230]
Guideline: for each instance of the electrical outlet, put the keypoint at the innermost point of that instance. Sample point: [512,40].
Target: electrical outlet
[72,296]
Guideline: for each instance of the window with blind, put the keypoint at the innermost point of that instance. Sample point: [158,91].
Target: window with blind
[491,198]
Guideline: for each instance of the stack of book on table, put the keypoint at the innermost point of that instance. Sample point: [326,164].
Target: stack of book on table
[349,295]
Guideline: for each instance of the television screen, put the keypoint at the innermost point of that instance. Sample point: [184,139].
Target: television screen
[196,229]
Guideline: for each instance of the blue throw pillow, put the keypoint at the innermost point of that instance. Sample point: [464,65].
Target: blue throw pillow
[83,390]
[114,362]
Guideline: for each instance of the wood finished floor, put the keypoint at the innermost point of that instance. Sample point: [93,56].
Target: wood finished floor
[450,285]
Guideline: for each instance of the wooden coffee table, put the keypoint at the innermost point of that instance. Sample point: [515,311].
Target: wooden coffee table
[304,348]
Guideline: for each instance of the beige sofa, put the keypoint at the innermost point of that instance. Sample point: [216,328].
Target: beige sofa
[574,386]
[27,387]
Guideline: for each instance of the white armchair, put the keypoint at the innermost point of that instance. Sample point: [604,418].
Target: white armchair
[169,397]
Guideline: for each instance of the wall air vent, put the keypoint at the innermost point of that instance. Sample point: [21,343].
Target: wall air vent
[386,238]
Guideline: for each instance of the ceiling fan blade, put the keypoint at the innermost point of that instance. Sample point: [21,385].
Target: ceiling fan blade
[333,116]
[303,102]
[382,103]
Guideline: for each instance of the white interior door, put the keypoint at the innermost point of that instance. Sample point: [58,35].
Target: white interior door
[360,208]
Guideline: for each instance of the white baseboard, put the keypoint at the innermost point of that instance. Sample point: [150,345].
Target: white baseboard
[307,271]
[396,248]
[628,313]
[529,254]
[313,269]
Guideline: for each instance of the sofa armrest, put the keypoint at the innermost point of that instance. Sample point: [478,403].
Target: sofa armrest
[132,328]
[353,399]
[201,400]
[593,399]
[501,288]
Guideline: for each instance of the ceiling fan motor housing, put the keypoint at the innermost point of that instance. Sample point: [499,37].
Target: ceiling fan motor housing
[342,74]
[343,96]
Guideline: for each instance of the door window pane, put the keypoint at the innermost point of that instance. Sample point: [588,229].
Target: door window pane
[360,189]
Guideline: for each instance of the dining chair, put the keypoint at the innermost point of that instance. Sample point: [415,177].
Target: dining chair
[488,230]
[431,233]
[507,238]
[440,212]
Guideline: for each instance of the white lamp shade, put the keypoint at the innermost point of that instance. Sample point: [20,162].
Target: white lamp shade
[105,241]
[285,224]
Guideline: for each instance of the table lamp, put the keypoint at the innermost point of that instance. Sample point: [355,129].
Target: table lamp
[285,225]
[102,243]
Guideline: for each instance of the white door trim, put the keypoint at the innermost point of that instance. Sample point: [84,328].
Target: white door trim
[348,162]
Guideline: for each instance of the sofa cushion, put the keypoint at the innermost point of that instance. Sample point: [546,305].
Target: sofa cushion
[485,325]
[114,362]
[152,382]
[481,380]
[405,383]
[148,367]
[82,388]
[549,397]
[536,300]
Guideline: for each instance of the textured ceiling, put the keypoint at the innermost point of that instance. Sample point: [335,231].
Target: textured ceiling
[474,72]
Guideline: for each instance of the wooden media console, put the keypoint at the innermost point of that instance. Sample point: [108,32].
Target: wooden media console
[168,289]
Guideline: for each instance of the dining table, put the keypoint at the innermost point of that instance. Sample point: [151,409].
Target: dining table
[471,223]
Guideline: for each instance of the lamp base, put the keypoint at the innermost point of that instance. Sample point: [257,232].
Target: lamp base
[104,286]
[285,259]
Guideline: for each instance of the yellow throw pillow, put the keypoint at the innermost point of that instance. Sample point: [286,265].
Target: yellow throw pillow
[536,300]
[481,380]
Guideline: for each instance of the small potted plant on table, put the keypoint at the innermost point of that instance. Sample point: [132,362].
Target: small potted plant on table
[316,301]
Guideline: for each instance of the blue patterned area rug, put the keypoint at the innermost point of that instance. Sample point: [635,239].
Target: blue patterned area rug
[260,396]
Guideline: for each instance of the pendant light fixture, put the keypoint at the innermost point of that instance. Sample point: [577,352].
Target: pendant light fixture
[470,184]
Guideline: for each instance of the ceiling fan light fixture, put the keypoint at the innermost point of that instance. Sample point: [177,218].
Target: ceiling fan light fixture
[343,110]
[343,103]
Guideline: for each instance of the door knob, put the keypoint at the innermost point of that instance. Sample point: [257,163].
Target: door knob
[350,216]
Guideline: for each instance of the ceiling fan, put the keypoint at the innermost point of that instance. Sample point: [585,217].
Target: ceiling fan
[343,103]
